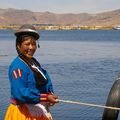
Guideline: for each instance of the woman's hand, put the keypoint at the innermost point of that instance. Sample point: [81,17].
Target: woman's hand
[53,99]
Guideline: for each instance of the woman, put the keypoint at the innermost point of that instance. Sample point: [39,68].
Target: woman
[31,87]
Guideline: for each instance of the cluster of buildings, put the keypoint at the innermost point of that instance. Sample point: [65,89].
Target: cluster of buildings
[73,27]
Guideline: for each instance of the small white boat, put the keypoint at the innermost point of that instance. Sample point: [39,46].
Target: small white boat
[117,28]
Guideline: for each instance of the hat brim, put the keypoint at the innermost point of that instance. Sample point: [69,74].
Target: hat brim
[30,32]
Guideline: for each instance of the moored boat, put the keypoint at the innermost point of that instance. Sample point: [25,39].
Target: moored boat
[117,28]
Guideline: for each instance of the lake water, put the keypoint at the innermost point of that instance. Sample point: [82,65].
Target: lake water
[83,66]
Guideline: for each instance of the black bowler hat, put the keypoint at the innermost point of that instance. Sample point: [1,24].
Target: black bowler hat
[27,29]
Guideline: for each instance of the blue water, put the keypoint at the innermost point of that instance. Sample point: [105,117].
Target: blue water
[83,66]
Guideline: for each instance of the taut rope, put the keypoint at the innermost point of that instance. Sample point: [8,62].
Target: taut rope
[89,104]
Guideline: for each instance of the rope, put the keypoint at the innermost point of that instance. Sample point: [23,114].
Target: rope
[89,104]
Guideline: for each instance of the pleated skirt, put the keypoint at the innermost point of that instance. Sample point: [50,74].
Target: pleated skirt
[27,112]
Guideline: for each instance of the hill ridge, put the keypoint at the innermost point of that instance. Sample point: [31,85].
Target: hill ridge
[16,17]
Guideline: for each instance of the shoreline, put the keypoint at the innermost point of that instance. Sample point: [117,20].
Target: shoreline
[62,27]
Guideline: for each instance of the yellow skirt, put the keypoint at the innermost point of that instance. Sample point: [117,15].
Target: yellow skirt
[27,112]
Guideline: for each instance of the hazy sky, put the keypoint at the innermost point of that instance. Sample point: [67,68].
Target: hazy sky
[62,6]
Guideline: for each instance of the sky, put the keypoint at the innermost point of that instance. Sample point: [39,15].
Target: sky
[62,6]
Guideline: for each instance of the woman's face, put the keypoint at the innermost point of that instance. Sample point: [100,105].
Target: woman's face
[28,46]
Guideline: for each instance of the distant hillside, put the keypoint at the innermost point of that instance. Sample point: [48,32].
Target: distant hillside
[14,16]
